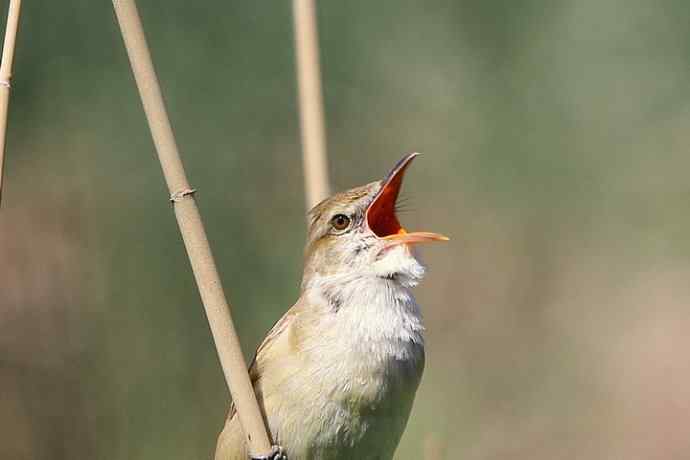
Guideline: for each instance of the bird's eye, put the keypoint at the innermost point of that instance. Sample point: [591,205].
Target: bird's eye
[340,222]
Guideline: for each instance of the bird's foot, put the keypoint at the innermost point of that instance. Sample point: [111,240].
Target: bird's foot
[277,454]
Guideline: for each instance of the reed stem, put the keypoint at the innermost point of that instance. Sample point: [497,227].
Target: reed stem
[193,234]
[6,76]
[314,154]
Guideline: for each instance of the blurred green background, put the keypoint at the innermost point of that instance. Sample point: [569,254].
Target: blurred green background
[556,136]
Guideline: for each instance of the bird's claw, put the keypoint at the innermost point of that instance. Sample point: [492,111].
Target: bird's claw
[276,454]
[279,453]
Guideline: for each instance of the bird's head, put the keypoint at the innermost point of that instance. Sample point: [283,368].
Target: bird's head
[356,233]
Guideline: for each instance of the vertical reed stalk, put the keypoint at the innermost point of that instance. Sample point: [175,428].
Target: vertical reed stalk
[310,102]
[193,234]
[6,76]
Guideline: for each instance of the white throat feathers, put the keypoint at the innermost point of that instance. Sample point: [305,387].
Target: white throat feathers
[375,303]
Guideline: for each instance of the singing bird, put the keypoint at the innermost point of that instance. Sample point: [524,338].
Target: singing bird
[336,376]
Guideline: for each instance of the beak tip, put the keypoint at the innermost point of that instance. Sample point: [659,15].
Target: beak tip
[410,156]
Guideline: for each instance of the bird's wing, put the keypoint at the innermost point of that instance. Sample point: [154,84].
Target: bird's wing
[231,444]
[273,334]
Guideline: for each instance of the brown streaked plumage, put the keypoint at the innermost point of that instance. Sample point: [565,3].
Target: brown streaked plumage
[336,375]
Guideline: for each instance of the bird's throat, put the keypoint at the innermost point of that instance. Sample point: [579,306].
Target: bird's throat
[378,308]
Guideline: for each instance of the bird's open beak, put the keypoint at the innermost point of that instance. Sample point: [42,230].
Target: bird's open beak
[381,216]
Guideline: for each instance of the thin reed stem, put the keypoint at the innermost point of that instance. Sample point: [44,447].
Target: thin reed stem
[193,234]
[6,76]
[314,157]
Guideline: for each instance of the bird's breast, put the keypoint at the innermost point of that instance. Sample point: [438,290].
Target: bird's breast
[360,398]
[348,386]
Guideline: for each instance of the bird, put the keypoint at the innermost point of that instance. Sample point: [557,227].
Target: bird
[336,376]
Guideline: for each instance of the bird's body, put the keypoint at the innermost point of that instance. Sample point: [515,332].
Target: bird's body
[336,376]
[338,384]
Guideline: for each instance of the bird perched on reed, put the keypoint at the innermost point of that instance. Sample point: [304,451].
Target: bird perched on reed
[337,374]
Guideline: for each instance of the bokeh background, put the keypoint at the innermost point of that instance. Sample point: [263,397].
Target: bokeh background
[557,139]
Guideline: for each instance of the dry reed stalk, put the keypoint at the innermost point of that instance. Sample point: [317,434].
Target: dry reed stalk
[193,234]
[6,76]
[310,102]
